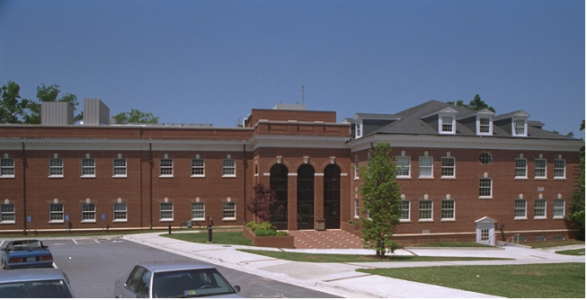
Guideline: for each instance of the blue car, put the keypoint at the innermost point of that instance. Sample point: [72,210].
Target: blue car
[22,254]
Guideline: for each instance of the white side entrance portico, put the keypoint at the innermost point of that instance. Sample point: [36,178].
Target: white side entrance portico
[485,231]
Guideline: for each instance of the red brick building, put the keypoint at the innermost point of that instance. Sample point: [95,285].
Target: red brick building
[464,175]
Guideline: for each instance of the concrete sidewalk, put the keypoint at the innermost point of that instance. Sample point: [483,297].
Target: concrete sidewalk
[342,279]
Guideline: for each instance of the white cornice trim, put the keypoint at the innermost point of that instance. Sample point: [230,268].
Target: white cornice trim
[460,142]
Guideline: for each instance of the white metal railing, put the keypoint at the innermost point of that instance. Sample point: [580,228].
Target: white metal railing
[515,240]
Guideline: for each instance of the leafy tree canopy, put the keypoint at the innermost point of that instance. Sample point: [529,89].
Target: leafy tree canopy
[49,94]
[12,107]
[381,201]
[135,116]
[264,203]
[576,212]
[475,104]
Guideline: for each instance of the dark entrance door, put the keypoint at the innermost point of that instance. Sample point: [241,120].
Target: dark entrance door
[278,182]
[332,197]
[305,197]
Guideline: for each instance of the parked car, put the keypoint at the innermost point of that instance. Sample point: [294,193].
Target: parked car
[174,280]
[21,254]
[34,283]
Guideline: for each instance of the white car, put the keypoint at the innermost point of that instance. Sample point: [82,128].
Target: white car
[174,280]
[34,283]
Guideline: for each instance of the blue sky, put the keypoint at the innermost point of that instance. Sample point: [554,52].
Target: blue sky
[211,62]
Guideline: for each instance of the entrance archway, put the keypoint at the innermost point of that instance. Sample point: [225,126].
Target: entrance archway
[278,183]
[305,197]
[332,197]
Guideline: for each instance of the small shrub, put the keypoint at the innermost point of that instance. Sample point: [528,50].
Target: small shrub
[281,233]
[264,232]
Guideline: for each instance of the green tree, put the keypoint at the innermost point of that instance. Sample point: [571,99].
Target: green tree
[48,94]
[381,201]
[576,211]
[475,104]
[12,107]
[135,116]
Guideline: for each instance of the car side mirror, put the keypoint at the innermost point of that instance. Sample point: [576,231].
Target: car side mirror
[237,288]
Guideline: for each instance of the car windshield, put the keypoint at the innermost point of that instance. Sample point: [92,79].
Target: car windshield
[191,283]
[37,289]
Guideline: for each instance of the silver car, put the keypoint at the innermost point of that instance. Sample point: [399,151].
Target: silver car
[174,280]
[34,283]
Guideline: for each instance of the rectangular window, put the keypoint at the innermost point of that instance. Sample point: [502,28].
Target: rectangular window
[228,211]
[448,210]
[56,167]
[198,211]
[198,168]
[448,166]
[7,213]
[405,216]
[56,213]
[540,238]
[485,188]
[7,167]
[520,209]
[425,166]
[447,124]
[166,211]
[540,209]
[119,167]
[520,127]
[402,167]
[558,238]
[540,168]
[484,125]
[559,169]
[166,168]
[88,167]
[357,208]
[357,169]
[484,234]
[425,210]
[228,167]
[88,212]
[559,208]
[521,168]
[119,212]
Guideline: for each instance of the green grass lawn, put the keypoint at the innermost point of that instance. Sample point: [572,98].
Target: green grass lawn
[350,258]
[550,244]
[453,244]
[578,252]
[219,238]
[512,281]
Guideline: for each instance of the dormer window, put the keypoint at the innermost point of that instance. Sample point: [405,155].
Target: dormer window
[359,129]
[514,123]
[519,127]
[447,124]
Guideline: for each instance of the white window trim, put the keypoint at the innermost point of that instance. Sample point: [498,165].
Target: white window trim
[204,210]
[233,167]
[454,168]
[564,169]
[56,167]
[409,211]
[441,122]
[514,133]
[563,208]
[114,211]
[161,167]
[545,169]
[356,168]
[229,218]
[431,211]
[545,209]
[161,211]
[114,167]
[478,125]
[490,188]
[525,169]
[356,208]
[82,215]
[13,213]
[454,210]
[62,213]
[409,165]
[7,167]
[88,167]
[359,129]
[203,167]
[431,168]
[525,217]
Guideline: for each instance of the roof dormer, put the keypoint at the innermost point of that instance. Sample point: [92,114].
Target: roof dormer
[484,122]
[515,123]
[367,123]
[447,123]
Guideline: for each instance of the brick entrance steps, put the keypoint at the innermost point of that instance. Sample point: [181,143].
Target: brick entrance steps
[329,239]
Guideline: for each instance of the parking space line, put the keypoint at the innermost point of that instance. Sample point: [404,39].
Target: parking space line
[97,242]
[74,241]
